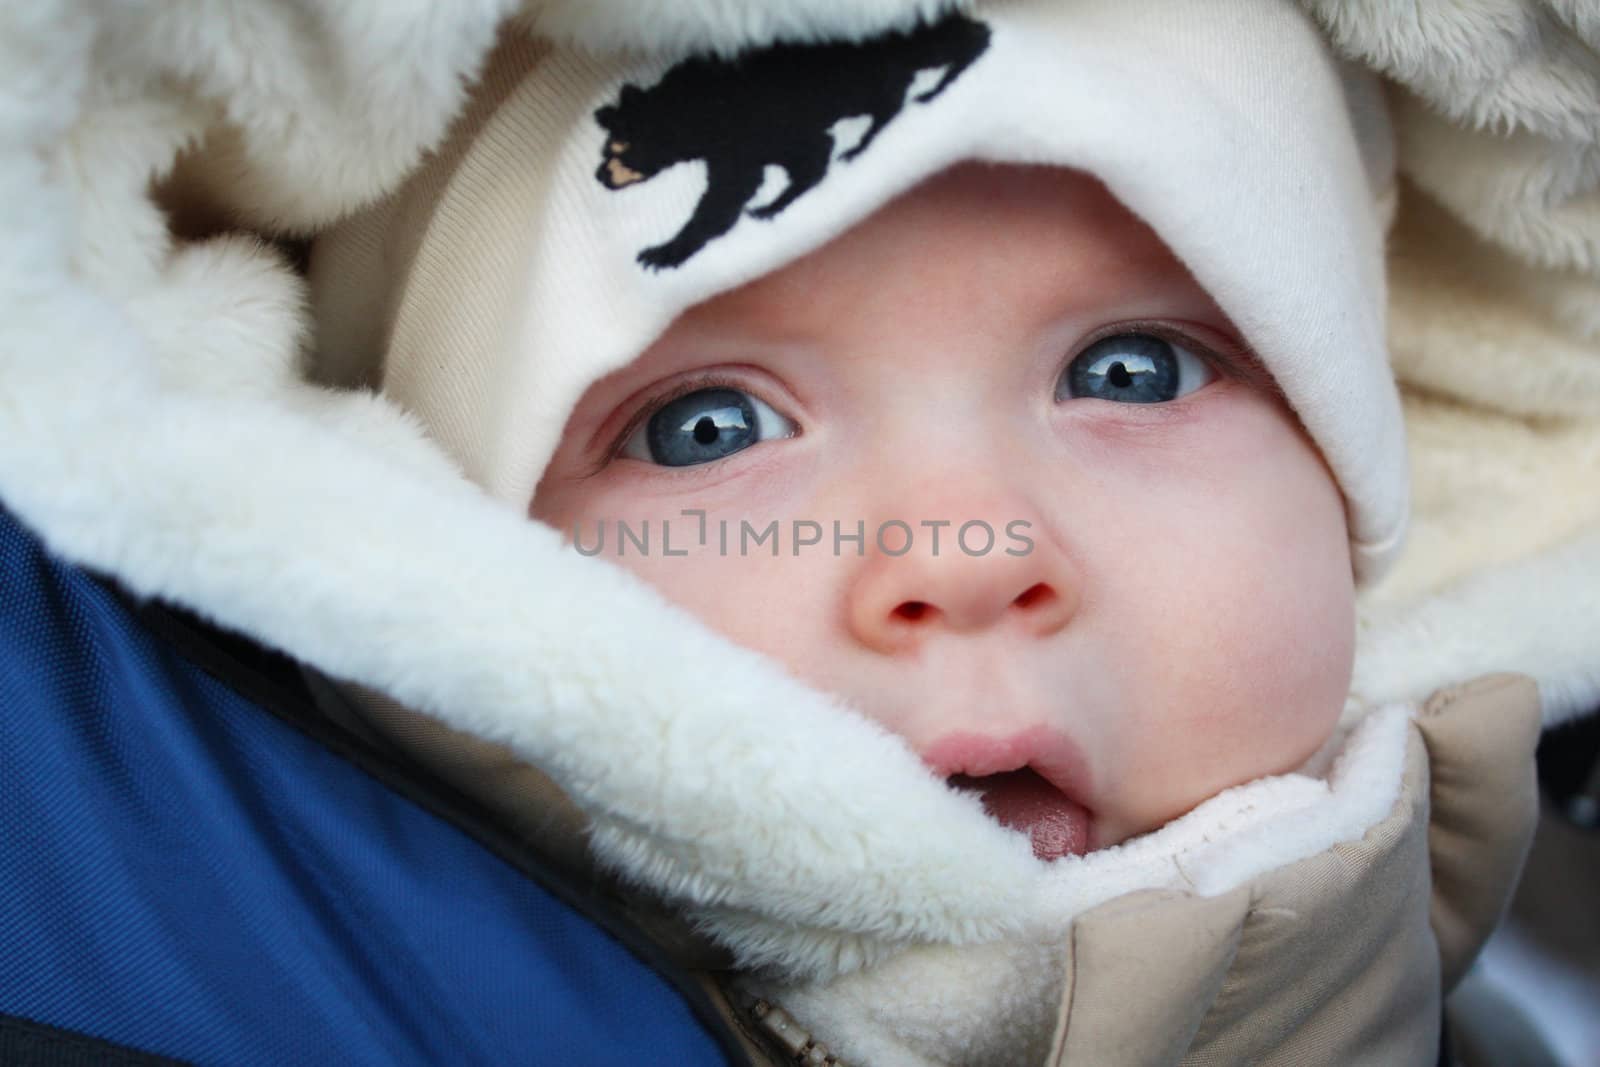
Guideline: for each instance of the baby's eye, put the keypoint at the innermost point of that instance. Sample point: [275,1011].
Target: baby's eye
[705,425]
[1133,368]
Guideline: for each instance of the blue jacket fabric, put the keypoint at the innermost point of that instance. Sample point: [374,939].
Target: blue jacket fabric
[186,873]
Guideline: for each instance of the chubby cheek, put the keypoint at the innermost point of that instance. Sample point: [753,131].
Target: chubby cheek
[736,593]
[758,601]
[1248,611]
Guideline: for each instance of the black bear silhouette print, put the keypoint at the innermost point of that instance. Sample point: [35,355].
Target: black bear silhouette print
[770,106]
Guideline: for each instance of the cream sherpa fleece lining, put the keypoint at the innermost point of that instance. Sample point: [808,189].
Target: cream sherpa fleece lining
[152,427]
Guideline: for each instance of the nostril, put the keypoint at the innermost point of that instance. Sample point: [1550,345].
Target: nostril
[911,610]
[1034,596]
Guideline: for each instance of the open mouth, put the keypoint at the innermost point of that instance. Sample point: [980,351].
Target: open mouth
[1023,800]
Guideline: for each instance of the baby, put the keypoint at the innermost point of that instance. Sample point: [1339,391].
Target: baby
[1005,346]
[1018,378]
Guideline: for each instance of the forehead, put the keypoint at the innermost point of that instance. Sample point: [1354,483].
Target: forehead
[1010,234]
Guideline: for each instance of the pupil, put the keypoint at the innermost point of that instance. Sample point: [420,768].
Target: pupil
[1119,376]
[705,431]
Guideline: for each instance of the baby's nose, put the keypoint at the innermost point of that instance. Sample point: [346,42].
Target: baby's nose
[1023,586]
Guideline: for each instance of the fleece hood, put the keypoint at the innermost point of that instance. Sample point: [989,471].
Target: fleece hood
[157,424]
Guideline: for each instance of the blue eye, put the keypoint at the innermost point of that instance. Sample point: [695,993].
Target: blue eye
[705,425]
[1133,368]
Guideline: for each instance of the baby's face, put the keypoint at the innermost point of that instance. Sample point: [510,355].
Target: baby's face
[1166,608]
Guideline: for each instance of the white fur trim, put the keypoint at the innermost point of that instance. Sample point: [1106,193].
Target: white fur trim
[1495,284]
[725,26]
[1499,114]
[318,106]
[1539,616]
[1489,64]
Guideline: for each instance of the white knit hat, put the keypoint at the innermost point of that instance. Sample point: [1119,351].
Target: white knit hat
[585,202]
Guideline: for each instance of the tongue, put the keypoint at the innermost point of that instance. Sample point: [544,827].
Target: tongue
[1021,800]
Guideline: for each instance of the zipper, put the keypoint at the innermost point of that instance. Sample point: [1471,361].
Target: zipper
[789,1037]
